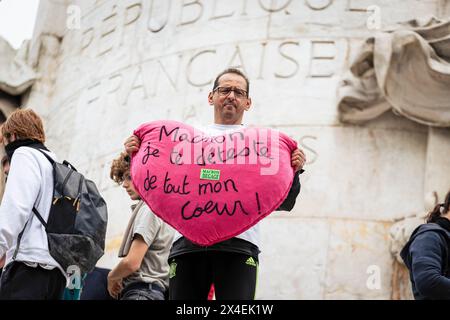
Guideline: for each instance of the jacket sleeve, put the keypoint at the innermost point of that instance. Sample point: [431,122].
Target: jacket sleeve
[289,202]
[21,192]
[426,266]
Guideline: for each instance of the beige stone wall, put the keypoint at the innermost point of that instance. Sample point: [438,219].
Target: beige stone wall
[136,61]
[7,105]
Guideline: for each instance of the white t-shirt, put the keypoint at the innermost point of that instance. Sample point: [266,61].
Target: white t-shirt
[252,234]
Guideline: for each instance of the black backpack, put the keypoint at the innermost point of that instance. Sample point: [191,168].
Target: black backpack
[76,225]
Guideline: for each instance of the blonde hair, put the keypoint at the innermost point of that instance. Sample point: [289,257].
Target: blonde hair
[25,124]
[120,167]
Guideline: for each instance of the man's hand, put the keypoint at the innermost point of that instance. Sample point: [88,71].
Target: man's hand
[114,287]
[298,159]
[132,144]
[2,261]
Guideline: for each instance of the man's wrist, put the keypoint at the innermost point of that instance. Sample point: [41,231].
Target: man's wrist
[111,276]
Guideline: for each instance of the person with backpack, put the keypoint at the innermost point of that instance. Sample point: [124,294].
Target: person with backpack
[143,273]
[427,255]
[30,271]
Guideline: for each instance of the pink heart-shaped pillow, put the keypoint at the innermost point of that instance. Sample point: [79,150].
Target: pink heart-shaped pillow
[211,188]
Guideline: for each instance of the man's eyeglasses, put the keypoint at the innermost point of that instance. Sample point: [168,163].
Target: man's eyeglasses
[225,91]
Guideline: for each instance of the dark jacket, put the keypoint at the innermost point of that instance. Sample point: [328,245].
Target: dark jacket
[289,202]
[426,256]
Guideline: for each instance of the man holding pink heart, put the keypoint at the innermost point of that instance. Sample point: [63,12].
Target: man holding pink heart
[230,265]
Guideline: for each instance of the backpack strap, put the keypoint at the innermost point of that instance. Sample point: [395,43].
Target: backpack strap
[35,211]
[65,162]
[19,238]
[38,215]
[46,155]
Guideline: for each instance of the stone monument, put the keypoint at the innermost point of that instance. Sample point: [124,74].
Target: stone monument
[107,66]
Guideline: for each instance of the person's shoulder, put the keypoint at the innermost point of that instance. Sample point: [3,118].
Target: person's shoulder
[430,227]
[143,208]
[36,154]
[146,214]
[25,154]
[430,233]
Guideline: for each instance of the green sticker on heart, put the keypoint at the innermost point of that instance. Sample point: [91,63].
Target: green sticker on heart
[209,174]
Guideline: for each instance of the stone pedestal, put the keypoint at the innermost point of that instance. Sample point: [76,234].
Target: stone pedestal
[136,61]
